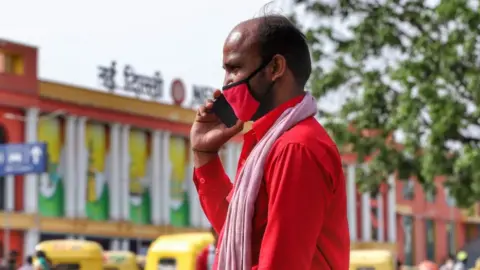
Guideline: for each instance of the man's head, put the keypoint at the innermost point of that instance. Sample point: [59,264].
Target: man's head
[29,260]
[273,44]
[41,254]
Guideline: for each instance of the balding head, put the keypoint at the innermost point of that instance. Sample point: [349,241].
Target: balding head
[272,54]
[275,34]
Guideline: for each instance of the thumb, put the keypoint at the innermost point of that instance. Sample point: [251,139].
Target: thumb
[237,128]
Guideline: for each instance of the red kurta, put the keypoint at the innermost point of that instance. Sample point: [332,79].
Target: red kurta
[300,219]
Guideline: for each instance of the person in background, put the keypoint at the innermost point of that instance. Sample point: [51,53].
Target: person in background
[42,263]
[448,263]
[461,262]
[207,257]
[12,260]
[28,265]
[3,261]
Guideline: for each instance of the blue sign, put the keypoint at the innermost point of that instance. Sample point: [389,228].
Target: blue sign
[19,159]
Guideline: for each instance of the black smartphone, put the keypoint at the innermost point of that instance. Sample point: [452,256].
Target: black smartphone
[224,111]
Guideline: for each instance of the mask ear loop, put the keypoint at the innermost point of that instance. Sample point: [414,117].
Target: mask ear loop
[249,87]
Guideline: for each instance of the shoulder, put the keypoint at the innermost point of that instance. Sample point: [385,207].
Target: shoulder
[310,136]
[308,140]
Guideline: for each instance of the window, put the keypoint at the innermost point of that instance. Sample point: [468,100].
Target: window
[167,264]
[449,199]
[11,64]
[470,232]
[431,195]
[407,226]
[67,266]
[430,239]
[451,246]
[408,189]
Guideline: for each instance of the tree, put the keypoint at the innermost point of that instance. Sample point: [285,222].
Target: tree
[408,70]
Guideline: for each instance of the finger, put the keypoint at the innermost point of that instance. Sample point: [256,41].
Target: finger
[202,110]
[205,115]
[209,104]
[217,93]
[237,128]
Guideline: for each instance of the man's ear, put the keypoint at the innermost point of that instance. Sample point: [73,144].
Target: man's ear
[279,67]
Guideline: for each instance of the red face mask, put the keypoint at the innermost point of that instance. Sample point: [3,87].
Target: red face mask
[240,97]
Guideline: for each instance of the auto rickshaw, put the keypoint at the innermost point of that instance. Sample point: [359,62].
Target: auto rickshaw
[372,260]
[177,251]
[120,260]
[73,254]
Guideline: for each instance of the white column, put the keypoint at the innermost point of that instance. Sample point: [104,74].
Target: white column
[195,208]
[70,173]
[125,171]
[351,202]
[165,179]
[115,244]
[392,209]
[380,218]
[31,180]
[115,173]
[125,244]
[156,177]
[30,192]
[82,161]
[10,190]
[366,218]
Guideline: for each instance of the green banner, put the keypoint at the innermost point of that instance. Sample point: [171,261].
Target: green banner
[179,200]
[51,190]
[96,142]
[140,202]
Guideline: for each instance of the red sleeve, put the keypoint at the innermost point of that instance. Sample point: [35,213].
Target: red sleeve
[202,260]
[213,187]
[299,191]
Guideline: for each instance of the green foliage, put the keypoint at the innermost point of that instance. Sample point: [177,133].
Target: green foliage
[405,68]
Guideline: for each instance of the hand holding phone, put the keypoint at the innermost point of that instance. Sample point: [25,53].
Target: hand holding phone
[210,132]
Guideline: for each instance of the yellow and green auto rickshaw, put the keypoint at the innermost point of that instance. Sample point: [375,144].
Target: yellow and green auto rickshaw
[372,260]
[73,254]
[177,251]
[120,260]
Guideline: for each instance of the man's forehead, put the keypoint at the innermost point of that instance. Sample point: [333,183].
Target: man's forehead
[242,36]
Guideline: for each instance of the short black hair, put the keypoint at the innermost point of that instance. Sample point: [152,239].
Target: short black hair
[29,260]
[278,35]
[41,254]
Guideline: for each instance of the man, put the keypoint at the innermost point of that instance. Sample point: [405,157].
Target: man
[462,258]
[207,257]
[298,220]
[42,263]
[448,264]
[28,265]
[12,260]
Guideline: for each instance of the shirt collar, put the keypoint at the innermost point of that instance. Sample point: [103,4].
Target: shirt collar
[262,125]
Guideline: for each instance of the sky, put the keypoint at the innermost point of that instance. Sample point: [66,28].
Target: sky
[181,39]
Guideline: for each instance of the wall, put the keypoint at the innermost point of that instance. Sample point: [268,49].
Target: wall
[436,210]
[27,56]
